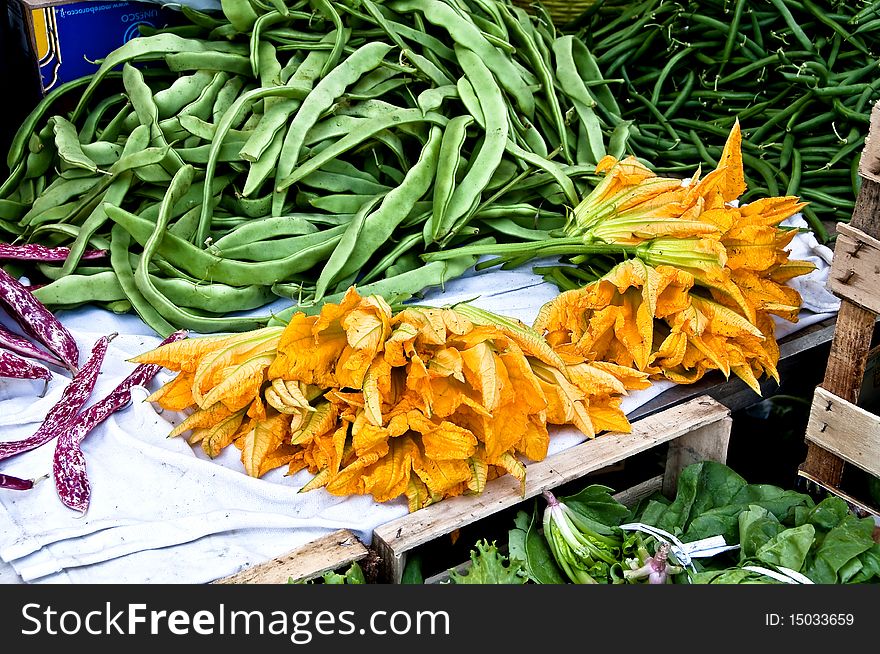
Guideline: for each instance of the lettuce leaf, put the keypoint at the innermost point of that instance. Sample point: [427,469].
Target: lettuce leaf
[489,566]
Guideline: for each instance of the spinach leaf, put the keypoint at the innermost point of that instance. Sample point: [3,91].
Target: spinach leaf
[788,548]
[757,526]
[701,486]
[731,576]
[528,546]
[870,570]
[711,496]
[826,515]
[850,538]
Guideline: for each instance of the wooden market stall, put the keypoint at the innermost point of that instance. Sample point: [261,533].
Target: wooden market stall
[840,433]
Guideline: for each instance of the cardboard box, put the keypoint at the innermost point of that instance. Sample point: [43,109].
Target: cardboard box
[56,41]
[48,42]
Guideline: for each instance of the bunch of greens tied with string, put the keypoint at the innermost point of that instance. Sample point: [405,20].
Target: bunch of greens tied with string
[578,539]
[292,149]
[682,280]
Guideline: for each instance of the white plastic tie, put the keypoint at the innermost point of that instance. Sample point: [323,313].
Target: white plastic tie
[783,574]
[684,552]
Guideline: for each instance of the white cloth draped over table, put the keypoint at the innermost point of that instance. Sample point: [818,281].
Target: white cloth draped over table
[162,512]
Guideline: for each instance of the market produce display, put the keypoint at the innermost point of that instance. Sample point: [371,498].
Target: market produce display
[801,74]
[425,402]
[774,536]
[432,403]
[348,155]
[293,149]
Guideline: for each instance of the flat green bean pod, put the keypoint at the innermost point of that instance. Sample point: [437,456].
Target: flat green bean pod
[148,48]
[325,93]
[207,266]
[466,195]
[81,289]
[371,229]
[466,34]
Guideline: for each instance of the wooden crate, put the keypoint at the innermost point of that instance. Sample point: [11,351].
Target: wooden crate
[840,433]
[332,552]
[694,431]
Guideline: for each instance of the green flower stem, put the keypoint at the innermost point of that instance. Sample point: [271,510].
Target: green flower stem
[533,250]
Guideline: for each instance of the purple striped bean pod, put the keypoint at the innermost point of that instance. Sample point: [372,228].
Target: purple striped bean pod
[68,462]
[35,252]
[72,399]
[19,345]
[14,366]
[38,321]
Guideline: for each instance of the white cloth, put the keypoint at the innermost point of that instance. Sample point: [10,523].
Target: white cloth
[162,512]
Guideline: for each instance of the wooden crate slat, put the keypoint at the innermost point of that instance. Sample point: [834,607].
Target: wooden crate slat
[330,552]
[846,430]
[393,539]
[855,269]
[856,506]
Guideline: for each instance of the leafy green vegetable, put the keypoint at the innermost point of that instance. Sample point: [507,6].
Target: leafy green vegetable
[528,546]
[731,576]
[869,566]
[788,548]
[773,526]
[845,541]
[596,504]
[709,499]
[585,549]
[757,526]
[354,575]
[412,572]
[489,566]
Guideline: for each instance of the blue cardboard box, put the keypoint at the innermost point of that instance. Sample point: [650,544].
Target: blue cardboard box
[60,40]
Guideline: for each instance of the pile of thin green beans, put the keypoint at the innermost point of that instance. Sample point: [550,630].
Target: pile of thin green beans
[801,76]
[292,148]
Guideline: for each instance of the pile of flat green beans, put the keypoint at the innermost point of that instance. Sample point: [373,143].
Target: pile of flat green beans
[801,76]
[293,148]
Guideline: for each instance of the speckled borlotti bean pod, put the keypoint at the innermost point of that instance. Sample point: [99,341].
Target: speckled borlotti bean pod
[72,399]
[14,343]
[68,461]
[35,252]
[38,321]
[12,365]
